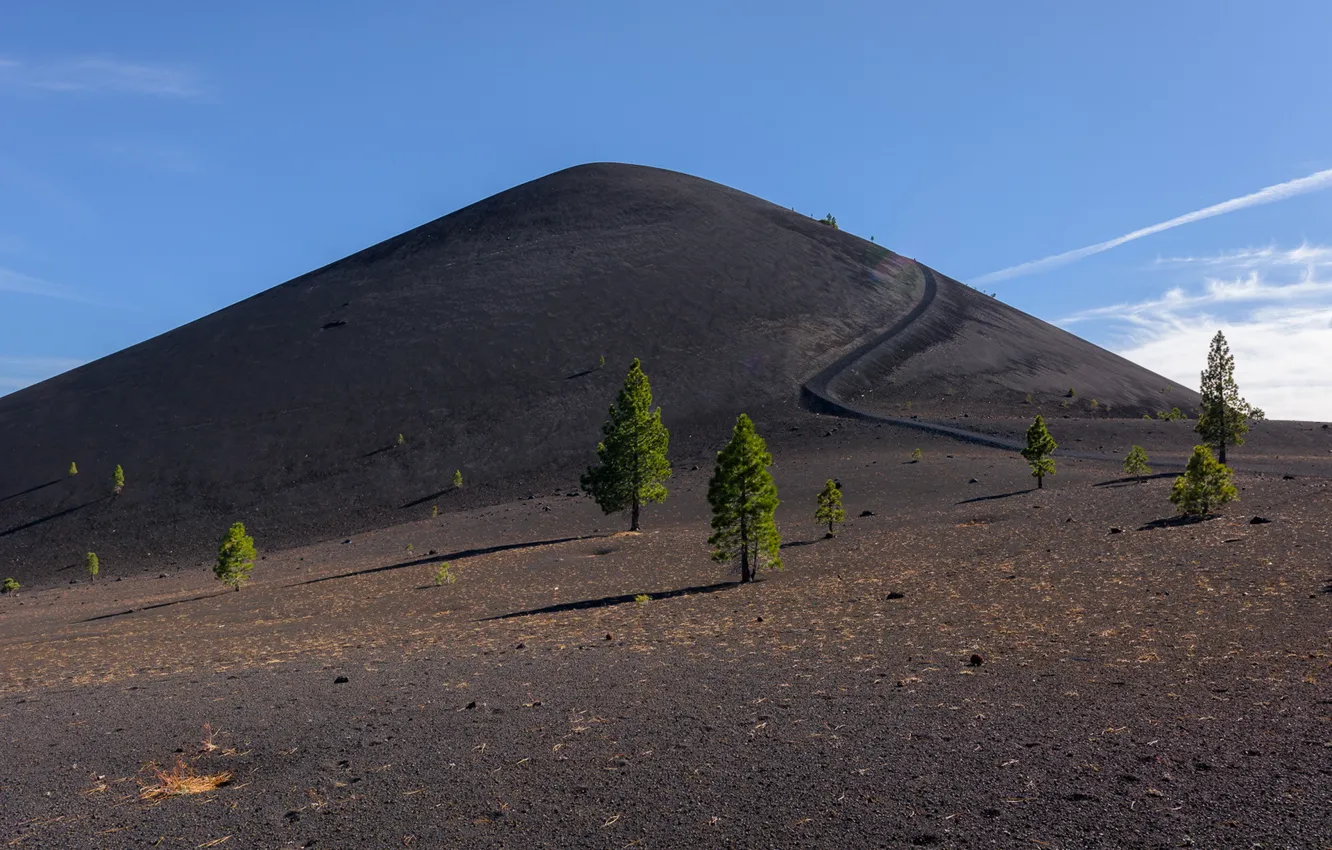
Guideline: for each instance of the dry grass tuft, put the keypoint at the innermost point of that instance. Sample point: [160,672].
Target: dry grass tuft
[182,780]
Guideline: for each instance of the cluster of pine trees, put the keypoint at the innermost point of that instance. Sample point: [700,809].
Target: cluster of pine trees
[1223,420]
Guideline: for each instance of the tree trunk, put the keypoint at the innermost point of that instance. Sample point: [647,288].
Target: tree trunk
[1222,452]
[633,515]
[746,575]
[1040,482]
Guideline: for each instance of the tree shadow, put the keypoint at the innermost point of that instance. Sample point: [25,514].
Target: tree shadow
[580,374]
[424,499]
[151,607]
[1135,479]
[57,515]
[1177,521]
[30,490]
[390,447]
[794,543]
[997,496]
[607,601]
[451,556]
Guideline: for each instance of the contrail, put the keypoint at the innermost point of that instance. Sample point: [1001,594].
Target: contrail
[1279,192]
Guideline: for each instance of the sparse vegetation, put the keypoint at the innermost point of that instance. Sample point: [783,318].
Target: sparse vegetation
[1204,485]
[642,599]
[402,441]
[434,510]
[830,220]
[829,508]
[631,456]
[118,480]
[73,469]
[457,478]
[1040,445]
[916,455]
[181,780]
[1029,399]
[1093,404]
[1136,462]
[9,585]
[1224,416]
[1174,414]
[93,565]
[1071,393]
[444,574]
[409,549]
[235,557]
[602,363]
[743,497]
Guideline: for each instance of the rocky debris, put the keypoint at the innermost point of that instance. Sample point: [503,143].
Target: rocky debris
[1260,520]
[341,680]
[975,660]
[1116,530]
[895,595]
[867,513]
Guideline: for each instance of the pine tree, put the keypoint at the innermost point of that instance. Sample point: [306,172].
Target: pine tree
[743,497]
[830,507]
[1204,485]
[1040,445]
[118,480]
[235,557]
[1223,418]
[457,478]
[73,469]
[1136,462]
[94,565]
[632,452]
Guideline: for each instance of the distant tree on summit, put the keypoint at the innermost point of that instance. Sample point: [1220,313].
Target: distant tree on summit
[743,497]
[632,452]
[1040,445]
[830,220]
[830,506]
[1223,417]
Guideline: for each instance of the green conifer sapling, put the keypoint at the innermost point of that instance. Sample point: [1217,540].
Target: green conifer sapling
[1204,485]
[830,507]
[73,469]
[743,497]
[1040,445]
[118,480]
[1223,418]
[94,566]
[457,478]
[1136,462]
[235,557]
[631,456]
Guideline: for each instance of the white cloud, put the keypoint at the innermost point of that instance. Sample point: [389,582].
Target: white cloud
[1275,308]
[95,74]
[1281,191]
[22,284]
[19,372]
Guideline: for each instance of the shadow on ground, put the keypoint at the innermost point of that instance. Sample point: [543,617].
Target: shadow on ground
[606,601]
[451,556]
[997,496]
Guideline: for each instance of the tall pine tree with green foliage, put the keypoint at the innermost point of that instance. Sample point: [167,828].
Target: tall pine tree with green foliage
[1223,418]
[743,497]
[1040,445]
[632,452]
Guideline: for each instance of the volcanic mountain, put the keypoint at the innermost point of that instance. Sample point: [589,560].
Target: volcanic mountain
[492,340]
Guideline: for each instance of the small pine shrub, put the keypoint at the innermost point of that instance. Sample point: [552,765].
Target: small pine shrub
[829,508]
[118,480]
[1093,404]
[402,441]
[409,549]
[235,557]
[1136,462]
[642,599]
[457,478]
[9,585]
[73,469]
[1204,485]
[602,364]
[916,455]
[830,220]
[445,574]
[1072,393]
[434,511]
[1029,399]
[94,565]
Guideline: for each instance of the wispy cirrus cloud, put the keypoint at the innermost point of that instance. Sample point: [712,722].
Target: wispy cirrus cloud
[98,74]
[22,284]
[1274,306]
[19,372]
[1281,191]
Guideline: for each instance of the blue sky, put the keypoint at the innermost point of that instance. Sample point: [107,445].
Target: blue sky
[159,161]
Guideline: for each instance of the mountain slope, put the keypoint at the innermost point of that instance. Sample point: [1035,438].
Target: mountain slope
[479,337]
